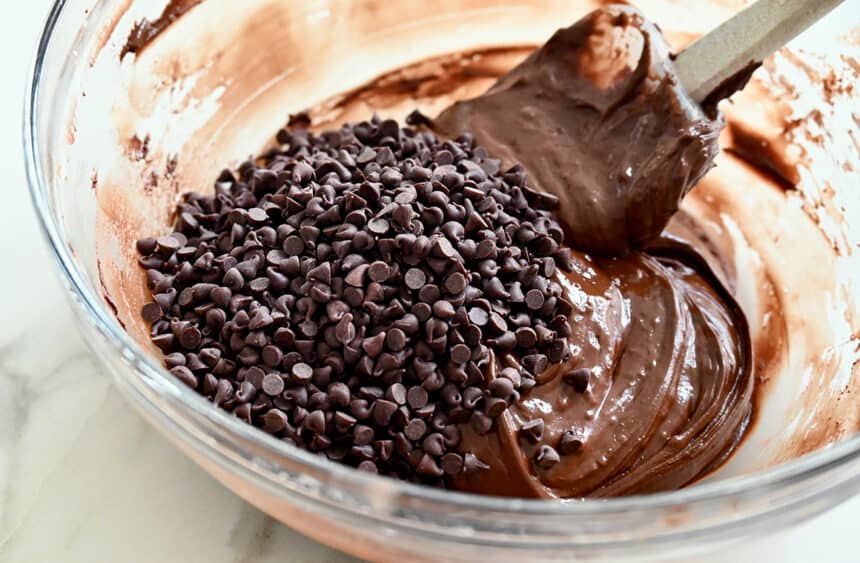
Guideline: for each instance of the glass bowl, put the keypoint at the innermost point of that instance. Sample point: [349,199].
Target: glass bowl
[111,140]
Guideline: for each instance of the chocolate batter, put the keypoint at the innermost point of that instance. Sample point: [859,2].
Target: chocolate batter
[597,118]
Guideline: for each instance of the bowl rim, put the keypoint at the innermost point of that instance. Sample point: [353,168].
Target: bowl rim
[794,471]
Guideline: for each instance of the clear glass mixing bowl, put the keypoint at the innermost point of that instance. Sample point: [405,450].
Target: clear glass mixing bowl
[109,144]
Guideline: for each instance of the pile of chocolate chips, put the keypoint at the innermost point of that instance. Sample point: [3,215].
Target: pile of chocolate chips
[343,291]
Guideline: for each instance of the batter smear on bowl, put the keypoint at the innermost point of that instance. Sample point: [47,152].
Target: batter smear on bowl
[484,300]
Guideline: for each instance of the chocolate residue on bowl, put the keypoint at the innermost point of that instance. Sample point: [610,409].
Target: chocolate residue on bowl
[145,31]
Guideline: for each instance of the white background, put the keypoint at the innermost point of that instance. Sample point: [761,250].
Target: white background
[83,479]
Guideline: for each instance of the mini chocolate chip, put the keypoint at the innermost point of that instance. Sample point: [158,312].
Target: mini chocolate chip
[294,245]
[273,384]
[471,463]
[272,356]
[434,444]
[416,397]
[526,337]
[415,278]
[443,310]
[382,411]
[534,299]
[275,420]
[302,372]
[368,466]
[185,376]
[546,457]
[315,422]
[532,430]
[378,226]
[415,429]
[578,379]
[455,283]
[428,467]
[151,312]
[396,392]
[379,272]
[478,316]
[461,354]
[452,463]
[570,442]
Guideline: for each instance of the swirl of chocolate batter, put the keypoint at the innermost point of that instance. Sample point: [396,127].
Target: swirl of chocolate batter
[596,117]
[669,391]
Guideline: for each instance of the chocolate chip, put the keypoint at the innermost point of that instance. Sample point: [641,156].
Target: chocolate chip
[368,466]
[416,397]
[434,444]
[379,272]
[151,312]
[356,276]
[272,356]
[471,463]
[455,283]
[275,420]
[345,329]
[501,387]
[146,246]
[478,316]
[168,243]
[382,411]
[185,376]
[428,467]
[415,278]
[532,430]
[294,245]
[578,379]
[190,337]
[443,310]
[535,363]
[302,372]
[429,293]
[315,422]
[570,442]
[526,337]
[494,406]
[546,457]
[460,354]
[373,346]
[534,299]
[273,384]
[378,226]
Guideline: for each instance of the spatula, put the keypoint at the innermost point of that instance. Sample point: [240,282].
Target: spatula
[711,63]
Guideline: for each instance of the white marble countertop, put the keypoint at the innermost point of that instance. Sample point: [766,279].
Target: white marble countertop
[84,479]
